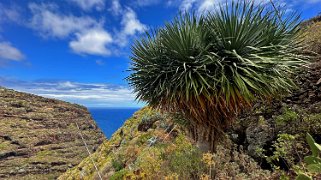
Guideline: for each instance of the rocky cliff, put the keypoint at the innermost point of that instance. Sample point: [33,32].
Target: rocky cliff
[40,138]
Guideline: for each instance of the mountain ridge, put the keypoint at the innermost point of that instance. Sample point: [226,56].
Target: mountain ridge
[39,137]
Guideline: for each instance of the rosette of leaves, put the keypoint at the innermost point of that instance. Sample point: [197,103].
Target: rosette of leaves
[211,67]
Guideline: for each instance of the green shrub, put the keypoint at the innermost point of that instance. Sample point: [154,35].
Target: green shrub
[284,146]
[287,116]
[211,67]
[186,160]
[19,104]
[119,175]
[313,161]
[117,164]
[148,121]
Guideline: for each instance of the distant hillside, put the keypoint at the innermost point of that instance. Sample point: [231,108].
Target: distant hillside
[39,137]
[312,20]
[312,34]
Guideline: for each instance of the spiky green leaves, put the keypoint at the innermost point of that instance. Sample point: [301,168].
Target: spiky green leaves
[212,66]
[166,58]
[313,161]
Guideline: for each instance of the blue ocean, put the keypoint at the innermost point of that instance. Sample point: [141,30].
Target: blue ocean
[110,120]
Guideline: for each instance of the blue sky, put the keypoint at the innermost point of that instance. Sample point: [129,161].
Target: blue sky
[78,50]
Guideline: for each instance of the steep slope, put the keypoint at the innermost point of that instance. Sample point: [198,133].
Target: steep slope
[312,20]
[151,145]
[264,143]
[39,137]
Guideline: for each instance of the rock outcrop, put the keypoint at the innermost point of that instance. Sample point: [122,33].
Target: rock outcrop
[39,137]
[263,130]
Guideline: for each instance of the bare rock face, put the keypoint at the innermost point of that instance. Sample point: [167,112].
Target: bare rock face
[295,114]
[257,135]
[39,137]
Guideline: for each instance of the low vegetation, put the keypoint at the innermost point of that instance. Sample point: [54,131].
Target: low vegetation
[312,162]
[163,151]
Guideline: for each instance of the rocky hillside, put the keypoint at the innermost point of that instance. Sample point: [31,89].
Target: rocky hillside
[266,142]
[39,137]
[312,20]
[151,145]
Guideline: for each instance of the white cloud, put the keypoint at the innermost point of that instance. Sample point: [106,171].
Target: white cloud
[89,4]
[130,27]
[11,13]
[147,2]
[131,24]
[100,62]
[116,8]
[53,24]
[88,94]
[8,52]
[88,36]
[92,42]
[208,5]
[313,1]
[203,6]
[186,5]
[171,3]
[66,84]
